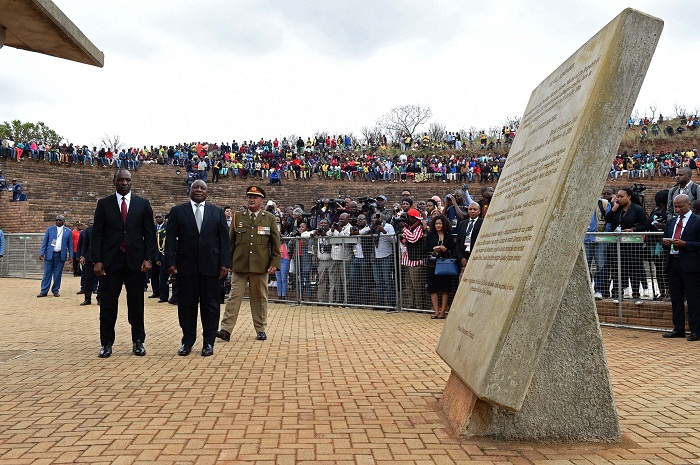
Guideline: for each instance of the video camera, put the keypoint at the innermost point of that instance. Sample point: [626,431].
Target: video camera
[638,188]
[335,203]
[369,205]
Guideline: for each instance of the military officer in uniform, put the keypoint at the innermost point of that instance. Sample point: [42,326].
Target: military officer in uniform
[255,252]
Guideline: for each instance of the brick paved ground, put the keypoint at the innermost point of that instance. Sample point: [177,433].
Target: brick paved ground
[331,385]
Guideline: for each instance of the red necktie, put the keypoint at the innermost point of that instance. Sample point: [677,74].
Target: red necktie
[122,246]
[679,228]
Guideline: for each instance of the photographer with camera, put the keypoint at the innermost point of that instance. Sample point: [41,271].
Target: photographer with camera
[360,264]
[383,260]
[302,250]
[322,249]
[340,255]
[382,208]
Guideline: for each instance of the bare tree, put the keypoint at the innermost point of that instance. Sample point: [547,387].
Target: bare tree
[494,132]
[371,134]
[652,109]
[112,142]
[404,119]
[436,131]
[512,122]
[680,110]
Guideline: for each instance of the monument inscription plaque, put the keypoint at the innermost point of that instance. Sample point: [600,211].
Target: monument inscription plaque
[522,264]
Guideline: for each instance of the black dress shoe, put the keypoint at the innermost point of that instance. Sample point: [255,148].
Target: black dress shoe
[261,336]
[80,292]
[42,295]
[172,302]
[207,350]
[86,302]
[673,333]
[56,294]
[184,350]
[694,337]
[139,349]
[223,334]
[153,296]
[105,351]
[161,301]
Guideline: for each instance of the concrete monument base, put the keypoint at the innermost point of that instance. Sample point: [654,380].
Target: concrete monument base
[570,398]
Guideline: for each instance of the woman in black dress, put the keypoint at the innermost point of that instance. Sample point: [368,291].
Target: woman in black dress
[439,243]
[627,215]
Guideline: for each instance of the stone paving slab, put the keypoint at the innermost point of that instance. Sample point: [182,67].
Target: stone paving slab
[329,386]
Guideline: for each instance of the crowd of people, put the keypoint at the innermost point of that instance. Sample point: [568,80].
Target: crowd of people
[650,127]
[276,161]
[380,252]
[644,165]
[411,235]
[643,267]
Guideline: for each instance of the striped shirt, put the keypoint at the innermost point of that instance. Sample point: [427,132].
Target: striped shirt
[411,236]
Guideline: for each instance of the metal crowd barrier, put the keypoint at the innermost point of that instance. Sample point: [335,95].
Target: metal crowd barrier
[626,269]
[628,274]
[21,258]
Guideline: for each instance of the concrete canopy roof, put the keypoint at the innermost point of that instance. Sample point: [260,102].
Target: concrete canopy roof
[40,26]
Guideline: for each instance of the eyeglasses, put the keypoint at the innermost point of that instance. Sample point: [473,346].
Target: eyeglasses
[157,216]
[57,219]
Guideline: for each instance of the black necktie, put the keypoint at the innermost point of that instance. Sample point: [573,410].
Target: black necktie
[470,227]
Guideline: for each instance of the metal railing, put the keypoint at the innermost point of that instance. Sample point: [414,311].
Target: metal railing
[626,269]
[21,258]
[628,273]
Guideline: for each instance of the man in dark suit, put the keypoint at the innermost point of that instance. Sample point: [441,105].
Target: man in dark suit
[197,252]
[85,253]
[682,238]
[155,278]
[123,249]
[467,232]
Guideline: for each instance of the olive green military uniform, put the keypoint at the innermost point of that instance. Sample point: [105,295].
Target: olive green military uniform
[255,246]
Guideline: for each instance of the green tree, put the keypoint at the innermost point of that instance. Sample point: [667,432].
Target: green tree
[25,132]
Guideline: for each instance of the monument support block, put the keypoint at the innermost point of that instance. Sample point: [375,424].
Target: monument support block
[3,34]
[570,397]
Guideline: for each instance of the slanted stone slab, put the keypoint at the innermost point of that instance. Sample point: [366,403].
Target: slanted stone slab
[522,264]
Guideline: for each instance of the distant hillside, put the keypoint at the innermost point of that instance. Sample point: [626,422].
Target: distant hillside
[632,141]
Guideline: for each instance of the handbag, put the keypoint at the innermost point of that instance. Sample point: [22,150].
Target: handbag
[446,267]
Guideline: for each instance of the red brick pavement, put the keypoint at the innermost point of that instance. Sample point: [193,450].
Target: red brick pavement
[330,385]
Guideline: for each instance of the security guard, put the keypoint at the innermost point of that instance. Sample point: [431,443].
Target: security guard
[255,252]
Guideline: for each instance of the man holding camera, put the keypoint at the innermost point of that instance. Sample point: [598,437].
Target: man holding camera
[363,254]
[383,260]
[322,248]
[382,209]
[340,256]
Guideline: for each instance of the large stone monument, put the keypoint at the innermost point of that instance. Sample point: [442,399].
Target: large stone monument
[522,337]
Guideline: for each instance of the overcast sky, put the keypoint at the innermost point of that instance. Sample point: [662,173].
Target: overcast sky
[208,70]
